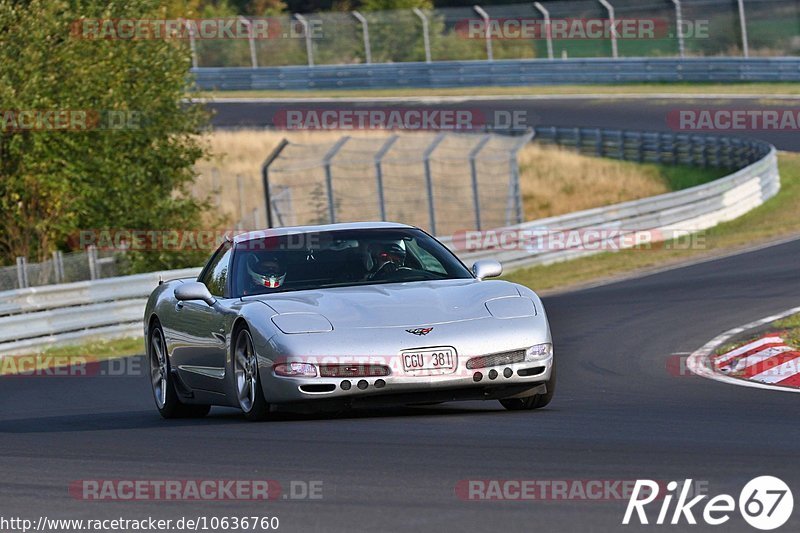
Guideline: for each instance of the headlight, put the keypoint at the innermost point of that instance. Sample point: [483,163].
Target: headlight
[539,351]
[296,370]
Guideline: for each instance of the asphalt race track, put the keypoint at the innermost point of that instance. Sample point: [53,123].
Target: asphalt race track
[646,114]
[619,414]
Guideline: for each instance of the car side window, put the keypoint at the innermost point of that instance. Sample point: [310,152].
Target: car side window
[215,276]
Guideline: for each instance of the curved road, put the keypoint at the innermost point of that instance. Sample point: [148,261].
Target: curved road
[619,414]
[647,114]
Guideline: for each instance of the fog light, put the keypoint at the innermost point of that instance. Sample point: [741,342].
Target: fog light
[345,385]
[379,384]
[477,376]
[362,384]
[539,351]
[507,373]
[295,370]
[493,374]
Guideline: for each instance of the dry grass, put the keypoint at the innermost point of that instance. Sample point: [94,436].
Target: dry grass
[554,181]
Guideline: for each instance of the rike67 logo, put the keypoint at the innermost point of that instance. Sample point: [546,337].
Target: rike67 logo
[765,503]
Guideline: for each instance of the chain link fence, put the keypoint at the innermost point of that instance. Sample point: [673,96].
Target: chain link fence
[564,29]
[441,182]
[61,268]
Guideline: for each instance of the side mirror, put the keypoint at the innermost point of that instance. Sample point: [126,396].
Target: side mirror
[194,290]
[487,268]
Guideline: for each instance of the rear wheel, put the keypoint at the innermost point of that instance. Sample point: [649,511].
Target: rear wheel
[167,401]
[536,401]
[246,375]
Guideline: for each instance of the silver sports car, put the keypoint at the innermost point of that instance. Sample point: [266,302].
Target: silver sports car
[348,315]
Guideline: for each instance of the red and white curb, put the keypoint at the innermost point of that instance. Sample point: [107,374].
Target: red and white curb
[765,363]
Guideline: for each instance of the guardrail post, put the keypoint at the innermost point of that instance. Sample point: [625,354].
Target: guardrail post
[426,160]
[326,161]
[252,42]
[473,167]
[547,28]
[192,43]
[598,143]
[365,33]
[621,153]
[612,21]
[426,39]
[309,48]
[265,178]
[379,173]
[91,255]
[515,191]
[743,24]
[578,139]
[485,16]
[679,25]
[22,272]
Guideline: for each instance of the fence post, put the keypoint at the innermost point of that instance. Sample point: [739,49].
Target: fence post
[326,161]
[514,187]
[426,39]
[365,32]
[743,24]
[58,274]
[426,159]
[91,255]
[379,173]
[611,21]
[309,49]
[252,41]
[192,43]
[22,272]
[265,178]
[485,16]
[679,25]
[547,28]
[598,143]
[476,197]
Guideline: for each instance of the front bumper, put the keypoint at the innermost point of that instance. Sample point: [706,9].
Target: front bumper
[503,381]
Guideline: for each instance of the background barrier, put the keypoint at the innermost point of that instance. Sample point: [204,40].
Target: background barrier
[445,74]
[36,317]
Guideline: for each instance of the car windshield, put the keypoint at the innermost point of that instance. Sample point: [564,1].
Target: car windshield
[340,258]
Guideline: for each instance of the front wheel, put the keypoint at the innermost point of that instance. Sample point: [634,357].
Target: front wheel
[167,401]
[246,375]
[537,401]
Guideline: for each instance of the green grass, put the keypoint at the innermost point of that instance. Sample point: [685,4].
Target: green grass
[755,89]
[791,328]
[81,353]
[683,177]
[776,218]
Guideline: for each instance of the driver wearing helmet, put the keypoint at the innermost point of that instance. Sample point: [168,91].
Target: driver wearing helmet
[386,258]
[266,271]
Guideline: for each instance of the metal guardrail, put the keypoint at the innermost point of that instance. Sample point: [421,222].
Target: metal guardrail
[36,317]
[33,318]
[443,74]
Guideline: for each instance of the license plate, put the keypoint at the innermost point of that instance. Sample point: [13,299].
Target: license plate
[430,360]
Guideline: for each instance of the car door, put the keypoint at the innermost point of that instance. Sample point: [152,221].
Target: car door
[199,336]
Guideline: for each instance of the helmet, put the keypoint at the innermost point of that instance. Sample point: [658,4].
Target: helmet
[266,271]
[388,252]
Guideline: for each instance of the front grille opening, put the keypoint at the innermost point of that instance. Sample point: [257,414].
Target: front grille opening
[352,370]
[322,387]
[496,359]
[531,371]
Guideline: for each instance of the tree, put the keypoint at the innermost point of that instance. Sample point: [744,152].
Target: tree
[131,166]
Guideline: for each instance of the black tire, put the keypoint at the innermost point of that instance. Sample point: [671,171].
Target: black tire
[537,401]
[246,372]
[166,398]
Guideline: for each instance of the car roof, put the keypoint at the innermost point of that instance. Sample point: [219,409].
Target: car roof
[293,230]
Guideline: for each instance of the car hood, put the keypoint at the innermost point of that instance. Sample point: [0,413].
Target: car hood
[420,303]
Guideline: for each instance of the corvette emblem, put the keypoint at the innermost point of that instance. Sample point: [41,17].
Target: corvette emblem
[420,331]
